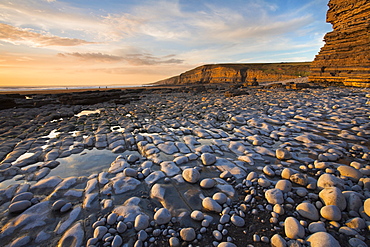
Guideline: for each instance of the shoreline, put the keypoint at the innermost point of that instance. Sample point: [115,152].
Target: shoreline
[77,90]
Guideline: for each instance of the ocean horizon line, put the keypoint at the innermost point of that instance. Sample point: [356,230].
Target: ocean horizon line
[41,88]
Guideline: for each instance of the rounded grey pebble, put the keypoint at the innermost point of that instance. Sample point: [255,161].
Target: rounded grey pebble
[92,241]
[141,222]
[217,235]
[142,235]
[174,242]
[237,221]
[187,234]
[121,227]
[66,207]
[98,223]
[111,219]
[117,241]
[157,232]
[224,219]
[138,243]
[265,239]
[355,242]
[162,216]
[57,205]
[19,206]
[35,200]
[108,239]
[256,238]
[100,231]
[226,244]
[197,215]
[22,196]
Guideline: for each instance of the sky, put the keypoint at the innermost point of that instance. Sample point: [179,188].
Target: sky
[127,42]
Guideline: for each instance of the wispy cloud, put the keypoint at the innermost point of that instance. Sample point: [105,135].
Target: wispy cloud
[132,59]
[12,34]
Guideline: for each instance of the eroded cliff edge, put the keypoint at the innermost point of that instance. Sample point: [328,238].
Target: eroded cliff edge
[345,57]
[240,73]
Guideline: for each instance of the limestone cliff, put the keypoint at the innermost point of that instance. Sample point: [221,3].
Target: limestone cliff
[345,57]
[240,73]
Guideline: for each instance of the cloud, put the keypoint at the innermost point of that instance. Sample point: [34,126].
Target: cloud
[132,59]
[12,34]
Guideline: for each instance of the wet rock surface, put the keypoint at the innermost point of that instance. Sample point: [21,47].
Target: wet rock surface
[189,167]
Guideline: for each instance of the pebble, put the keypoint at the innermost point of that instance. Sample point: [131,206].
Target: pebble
[174,242]
[141,222]
[333,196]
[317,227]
[66,207]
[207,183]
[117,241]
[187,234]
[349,172]
[293,229]
[121,227]
[268,171]
[191,175]
[208,159]
[308,211]
[355,242]
[237,220]
[320,239]
[197,215]
[329,180]
[162,216]
[278,241]
[331,212]
[111,219]
[226,244]
[284,185]
[21,241]
[220,197]
[19,206]
[217,235]
[22,196]
[142,235]
[225,218]
[283,154]
[367,206]
[274,196]
[211,205]
[100,231]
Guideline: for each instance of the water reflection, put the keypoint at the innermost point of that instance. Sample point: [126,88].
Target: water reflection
[84,164]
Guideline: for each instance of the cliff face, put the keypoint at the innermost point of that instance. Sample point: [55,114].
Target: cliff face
[240,73]
[345,57]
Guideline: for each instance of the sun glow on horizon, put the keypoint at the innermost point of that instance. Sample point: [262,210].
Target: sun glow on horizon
[62,43]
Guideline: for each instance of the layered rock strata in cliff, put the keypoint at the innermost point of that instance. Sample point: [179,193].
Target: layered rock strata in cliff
[345,57]
[240,73]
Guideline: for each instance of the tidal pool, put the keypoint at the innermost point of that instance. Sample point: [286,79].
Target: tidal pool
[84,164]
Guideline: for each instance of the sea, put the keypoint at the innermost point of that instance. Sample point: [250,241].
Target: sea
[15,89]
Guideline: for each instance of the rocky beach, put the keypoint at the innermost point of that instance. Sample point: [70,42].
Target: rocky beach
[209,165]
